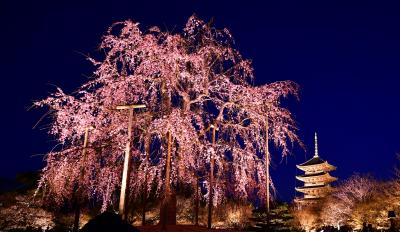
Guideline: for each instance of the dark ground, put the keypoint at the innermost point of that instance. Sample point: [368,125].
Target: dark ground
[112,222]
[180,228]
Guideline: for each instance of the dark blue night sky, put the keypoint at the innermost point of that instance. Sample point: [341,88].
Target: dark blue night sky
[344,54]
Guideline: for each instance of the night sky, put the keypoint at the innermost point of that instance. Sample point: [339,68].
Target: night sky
[344,55]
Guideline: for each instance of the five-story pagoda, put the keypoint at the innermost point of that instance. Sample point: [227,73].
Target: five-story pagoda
[316,178]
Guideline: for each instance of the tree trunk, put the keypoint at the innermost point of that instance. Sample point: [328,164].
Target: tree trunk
[76,218]
[168,168]
[168,205]
[144,209]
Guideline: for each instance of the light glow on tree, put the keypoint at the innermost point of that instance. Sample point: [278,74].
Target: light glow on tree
[187,81]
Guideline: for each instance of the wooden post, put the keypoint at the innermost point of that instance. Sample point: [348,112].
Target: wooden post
[267,163]
[125,172]
[82,172]
[210,196]
[85,142]
[196,209]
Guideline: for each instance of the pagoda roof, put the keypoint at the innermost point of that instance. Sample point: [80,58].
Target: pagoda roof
[315,176]
[316,163]
[313,161]
[307,189]
[312,186]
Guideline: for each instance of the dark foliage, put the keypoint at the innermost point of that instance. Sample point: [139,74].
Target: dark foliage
[279,219]
[108,222]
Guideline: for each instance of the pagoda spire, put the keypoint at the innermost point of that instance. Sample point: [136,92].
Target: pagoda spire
[316,145]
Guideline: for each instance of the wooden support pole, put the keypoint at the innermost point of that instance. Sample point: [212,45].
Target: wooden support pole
[85,142]
[125,173]
[196,209]
[267,164]
[210,196]
[127,158]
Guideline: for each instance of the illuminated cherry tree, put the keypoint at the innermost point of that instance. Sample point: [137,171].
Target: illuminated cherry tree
[339,208]
[306,218]
[188,82]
